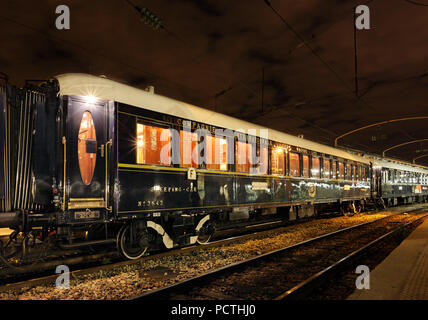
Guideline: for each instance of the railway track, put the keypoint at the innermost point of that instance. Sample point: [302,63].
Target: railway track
[109,270]
[106,260]
[288,273]
[41,273]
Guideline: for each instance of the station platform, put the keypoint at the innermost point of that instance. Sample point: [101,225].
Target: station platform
[403,275]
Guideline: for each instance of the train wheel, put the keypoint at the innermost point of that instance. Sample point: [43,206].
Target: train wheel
[205,233]
[347,209]
[133,241]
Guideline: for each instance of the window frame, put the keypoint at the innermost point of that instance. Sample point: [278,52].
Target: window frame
[156,125]
[284,165]
[312,167]
[298,163]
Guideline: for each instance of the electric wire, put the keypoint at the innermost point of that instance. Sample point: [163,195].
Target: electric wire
[100,54]
[416,3]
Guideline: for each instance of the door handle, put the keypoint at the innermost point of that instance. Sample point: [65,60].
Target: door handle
[102,151]
[108,143]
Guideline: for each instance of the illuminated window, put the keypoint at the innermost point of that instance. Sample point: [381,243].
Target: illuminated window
[216,153]
[263,159]
[354,172]
[306,166]
[189,149]
[348,172]
[359,173]
[153,145]
[326,169]
[333,170]
[87,148]
[244,154]
[341,171]
[294,165]
[278,161]
[315,171]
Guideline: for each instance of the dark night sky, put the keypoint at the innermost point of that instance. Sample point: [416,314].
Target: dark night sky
[222,46]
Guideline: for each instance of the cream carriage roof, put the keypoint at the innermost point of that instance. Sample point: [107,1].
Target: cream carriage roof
[88,85]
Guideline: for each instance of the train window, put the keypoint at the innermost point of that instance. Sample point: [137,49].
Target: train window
[294,165]
[333,170]
[263,159]
[326,169]
[359,173]
[87,147]
[216,151]
[315,170]
[306,166]
[278,161]
[341,171]
[153,145]
[403,177]
[244,156]
[348,173]
[189,155]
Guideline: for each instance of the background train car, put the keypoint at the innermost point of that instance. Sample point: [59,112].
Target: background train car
[399,182]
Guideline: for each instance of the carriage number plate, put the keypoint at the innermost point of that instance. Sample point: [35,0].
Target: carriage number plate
[86,215]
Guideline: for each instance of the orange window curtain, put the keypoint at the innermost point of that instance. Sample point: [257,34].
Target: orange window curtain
[306,166]
[341,171]
[333,170]
[216,153]
[326,169]
[153,145]
[278,161]
[348,172]
[189,155]
[263,160]
[243,156]
[315,168]
[294,165]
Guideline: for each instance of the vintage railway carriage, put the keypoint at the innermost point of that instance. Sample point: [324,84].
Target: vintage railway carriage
[400,183]
[88,160]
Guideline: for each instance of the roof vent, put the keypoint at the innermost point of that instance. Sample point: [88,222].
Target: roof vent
[150,89]
[300,136]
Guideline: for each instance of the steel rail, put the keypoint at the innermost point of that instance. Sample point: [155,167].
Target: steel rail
[89,258]
[165,292]
[84,259]
[307,286]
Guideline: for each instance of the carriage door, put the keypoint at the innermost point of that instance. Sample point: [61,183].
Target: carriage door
[87,149]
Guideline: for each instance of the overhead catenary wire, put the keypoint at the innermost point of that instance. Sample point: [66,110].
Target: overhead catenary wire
[417,3]
[307,45]
[95,52]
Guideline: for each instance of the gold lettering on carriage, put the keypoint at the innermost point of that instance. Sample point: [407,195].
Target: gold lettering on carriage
[150,203]
[169,189]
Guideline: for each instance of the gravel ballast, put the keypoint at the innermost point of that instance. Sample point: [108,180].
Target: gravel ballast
[127,281]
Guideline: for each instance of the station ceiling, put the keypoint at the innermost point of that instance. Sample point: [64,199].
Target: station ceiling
[288,66]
